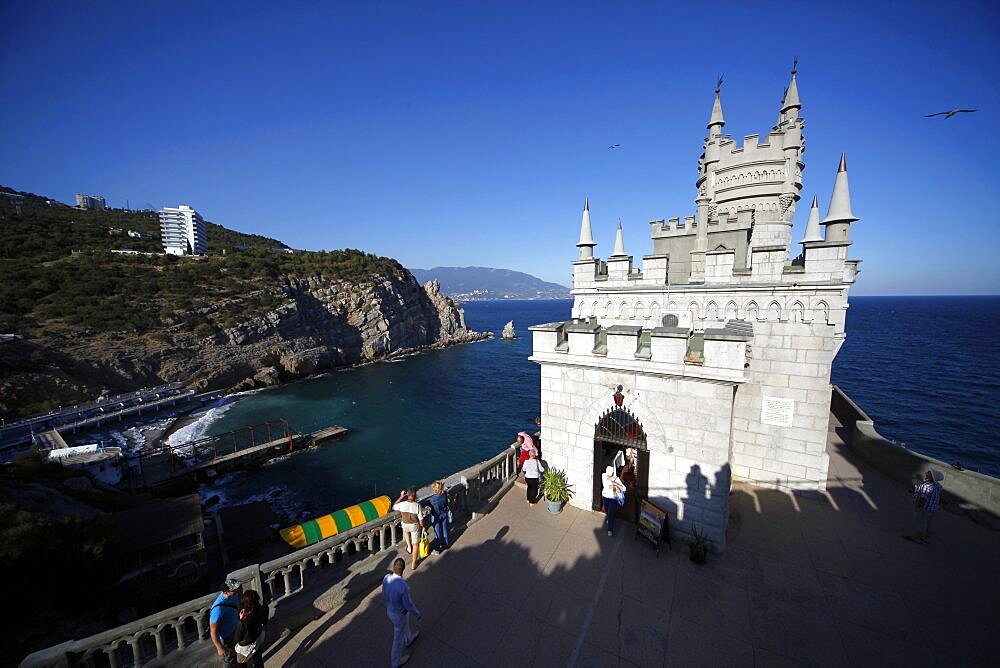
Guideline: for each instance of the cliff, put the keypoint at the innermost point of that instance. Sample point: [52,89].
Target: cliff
[79,318]
[320,324]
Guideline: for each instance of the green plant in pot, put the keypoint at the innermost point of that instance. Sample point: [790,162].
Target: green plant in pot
[556,488]
[699,546]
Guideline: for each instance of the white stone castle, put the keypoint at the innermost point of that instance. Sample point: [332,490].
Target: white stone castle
[713,360]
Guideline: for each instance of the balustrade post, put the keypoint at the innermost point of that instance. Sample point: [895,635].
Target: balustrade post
[200,621]
[113,656]
[136,652]
[179,630]
[158,639]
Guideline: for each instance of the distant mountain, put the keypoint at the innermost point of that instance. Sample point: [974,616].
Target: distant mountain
[482,283]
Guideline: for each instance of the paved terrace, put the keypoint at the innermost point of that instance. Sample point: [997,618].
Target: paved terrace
[806,580]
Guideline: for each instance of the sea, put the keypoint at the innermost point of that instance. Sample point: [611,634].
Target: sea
[926,369]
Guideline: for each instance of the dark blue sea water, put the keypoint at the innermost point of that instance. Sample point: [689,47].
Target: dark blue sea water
[925,369]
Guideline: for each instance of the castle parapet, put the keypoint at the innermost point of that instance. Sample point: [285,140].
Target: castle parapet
[715,354]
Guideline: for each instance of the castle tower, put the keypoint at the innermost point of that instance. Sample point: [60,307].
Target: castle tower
[839,217]
[586,243]
[706,186]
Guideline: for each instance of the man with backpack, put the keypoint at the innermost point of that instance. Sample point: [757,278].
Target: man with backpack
[224,619]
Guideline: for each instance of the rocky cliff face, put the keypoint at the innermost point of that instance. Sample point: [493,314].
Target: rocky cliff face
[320,325]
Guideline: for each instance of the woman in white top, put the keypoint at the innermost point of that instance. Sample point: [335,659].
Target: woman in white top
[408,507]
[532,474]
[611,485]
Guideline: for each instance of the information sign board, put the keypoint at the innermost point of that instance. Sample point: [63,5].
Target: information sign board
[653,524]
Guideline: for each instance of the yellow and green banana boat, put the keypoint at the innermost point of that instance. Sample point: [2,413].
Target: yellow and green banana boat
[316,530]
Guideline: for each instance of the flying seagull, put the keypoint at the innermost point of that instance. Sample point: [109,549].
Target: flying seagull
[949,114]
[613,146]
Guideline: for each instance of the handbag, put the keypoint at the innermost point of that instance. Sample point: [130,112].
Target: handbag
[425,544]
[620,496]
[451,518]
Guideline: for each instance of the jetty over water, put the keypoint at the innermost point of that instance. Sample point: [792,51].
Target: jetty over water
[808,578]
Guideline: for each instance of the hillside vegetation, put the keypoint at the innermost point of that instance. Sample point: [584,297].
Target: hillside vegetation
[59,272]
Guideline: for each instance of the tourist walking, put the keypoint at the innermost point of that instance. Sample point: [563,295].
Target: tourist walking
[533,469]
[408,507]
[527,444]
[400,608]
[926,500]
[224,620]
[439,516]
[250,634]
[611,488]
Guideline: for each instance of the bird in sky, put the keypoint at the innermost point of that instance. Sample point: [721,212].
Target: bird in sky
[613,146]
[949,114]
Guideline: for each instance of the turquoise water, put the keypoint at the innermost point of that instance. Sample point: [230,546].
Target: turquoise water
[429,415]
[411,420]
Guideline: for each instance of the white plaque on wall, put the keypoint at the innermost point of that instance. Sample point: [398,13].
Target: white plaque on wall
[777,411]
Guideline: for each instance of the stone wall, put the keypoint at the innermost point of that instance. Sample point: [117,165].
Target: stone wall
[791,360]
[687,424]
[975,493]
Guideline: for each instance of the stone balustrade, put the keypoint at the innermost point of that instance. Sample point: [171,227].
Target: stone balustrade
[156,637]
[716,354]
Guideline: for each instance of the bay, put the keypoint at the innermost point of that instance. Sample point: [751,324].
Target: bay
[425,416]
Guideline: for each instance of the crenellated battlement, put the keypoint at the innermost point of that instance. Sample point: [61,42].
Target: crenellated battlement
[719,354]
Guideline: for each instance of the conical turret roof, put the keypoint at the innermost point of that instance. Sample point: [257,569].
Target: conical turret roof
[717,118]
[840,201]
[813,233]
[791,96]
[586,233]
[619,242]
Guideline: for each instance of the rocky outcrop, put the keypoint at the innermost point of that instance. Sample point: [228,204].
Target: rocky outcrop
[320,324]
[508,333]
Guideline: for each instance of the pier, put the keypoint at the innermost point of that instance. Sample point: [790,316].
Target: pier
[212,455]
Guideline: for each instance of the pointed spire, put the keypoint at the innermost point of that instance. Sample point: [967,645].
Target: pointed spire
[586,243]
[717,118]
[619,243]
[840,201]
[813,233]
[791,98]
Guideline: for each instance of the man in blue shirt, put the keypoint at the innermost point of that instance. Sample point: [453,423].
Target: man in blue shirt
[223,621]
[926,499]
[399,606]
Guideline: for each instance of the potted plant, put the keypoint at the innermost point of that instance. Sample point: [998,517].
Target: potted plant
[556,488]
[699,546]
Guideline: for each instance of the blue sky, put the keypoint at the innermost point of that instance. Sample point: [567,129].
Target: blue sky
[470,133]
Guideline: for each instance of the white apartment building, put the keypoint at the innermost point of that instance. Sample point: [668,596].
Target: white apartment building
[183,231]
[90,202]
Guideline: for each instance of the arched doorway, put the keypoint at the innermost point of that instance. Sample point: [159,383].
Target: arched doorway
[620,440]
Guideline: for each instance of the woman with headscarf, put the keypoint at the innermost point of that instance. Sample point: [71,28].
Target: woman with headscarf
[611,485]
[527,445]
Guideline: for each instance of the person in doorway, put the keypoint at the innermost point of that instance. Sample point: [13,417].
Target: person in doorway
[439,516]
[400,608]
[611,485]
[533,469]
[926,500]
[408,507]
[224,620]
[527,444]
[250,634]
